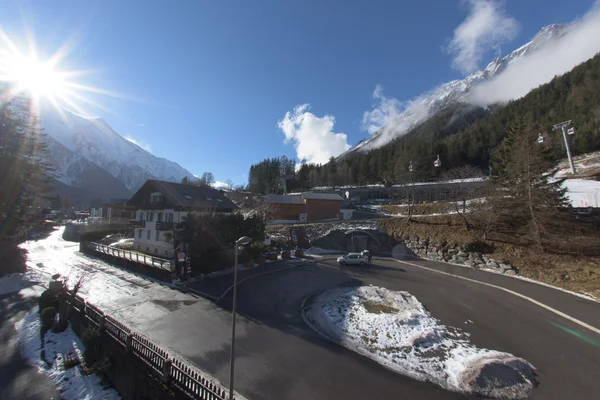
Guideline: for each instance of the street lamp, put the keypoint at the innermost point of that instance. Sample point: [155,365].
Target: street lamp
[244,240]
[562,126]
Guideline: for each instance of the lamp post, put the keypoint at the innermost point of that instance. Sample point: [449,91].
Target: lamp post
[244,240]
[562,126]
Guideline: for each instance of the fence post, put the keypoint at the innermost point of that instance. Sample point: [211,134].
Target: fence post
[129,342]
[102,323]
[137,257]
[167,370]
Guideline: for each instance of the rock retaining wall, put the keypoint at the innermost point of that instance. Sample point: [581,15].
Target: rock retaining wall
[459,254]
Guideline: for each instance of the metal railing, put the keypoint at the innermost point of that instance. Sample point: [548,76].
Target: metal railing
[164,365]
[136,223]
[132,256]
[165,226]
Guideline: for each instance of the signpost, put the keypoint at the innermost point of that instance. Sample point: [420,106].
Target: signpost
[181,256]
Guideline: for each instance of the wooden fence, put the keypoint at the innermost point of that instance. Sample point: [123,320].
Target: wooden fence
[172,371]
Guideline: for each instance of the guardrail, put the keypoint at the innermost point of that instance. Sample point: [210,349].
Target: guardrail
[132,256]
[163,365]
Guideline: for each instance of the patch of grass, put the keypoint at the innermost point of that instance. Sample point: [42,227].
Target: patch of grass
[377,308]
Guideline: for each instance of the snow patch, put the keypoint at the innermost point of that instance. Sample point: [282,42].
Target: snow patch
[72,383]
[396,330]
[582,192]
[318,251]
[16,282]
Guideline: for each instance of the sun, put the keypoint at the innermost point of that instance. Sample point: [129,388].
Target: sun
[39,78]
[24,73]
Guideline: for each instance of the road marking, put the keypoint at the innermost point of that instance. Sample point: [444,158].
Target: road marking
[553,310]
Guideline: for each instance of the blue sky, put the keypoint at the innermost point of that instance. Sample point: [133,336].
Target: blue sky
[205,83]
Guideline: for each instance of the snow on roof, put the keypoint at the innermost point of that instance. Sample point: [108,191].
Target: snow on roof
[284,199]
[321,196]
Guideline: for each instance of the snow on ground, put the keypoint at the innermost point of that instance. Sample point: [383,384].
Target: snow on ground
[583,192]
[129,297]
[72,383]
[318,251]
[15,282]
[395,329]
[583,164]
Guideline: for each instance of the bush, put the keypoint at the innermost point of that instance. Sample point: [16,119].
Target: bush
[47,316]
[93,346]
[49,298]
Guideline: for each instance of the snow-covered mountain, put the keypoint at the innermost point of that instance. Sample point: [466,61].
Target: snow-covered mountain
[455,91]
[91,140]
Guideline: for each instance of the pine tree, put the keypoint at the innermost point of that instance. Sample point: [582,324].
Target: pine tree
[26,173]
[530,197]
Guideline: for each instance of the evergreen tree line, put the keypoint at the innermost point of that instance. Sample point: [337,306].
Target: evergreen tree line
[25,174]
[459,135]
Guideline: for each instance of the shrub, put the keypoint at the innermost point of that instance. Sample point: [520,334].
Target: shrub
[47,316]
[93,346]
[13,259]
[49,298]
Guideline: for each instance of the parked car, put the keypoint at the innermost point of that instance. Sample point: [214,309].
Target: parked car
[352,259]
[122,244]
[109,239]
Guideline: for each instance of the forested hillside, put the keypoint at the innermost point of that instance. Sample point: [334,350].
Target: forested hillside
[460,134]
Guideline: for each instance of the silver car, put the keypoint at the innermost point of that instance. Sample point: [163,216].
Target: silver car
[352,259]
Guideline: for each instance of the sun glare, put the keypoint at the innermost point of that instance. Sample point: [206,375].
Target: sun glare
[25,73]
[36,77]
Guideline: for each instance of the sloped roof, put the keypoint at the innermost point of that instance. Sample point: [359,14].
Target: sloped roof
[284,199]
[321,196]
[182,195]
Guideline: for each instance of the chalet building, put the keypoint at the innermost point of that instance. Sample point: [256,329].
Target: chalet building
[161,205]
[305,207]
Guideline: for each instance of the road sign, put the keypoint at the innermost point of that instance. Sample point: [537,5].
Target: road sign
[181,256]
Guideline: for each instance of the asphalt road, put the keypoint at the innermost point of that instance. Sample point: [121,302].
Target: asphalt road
[279,357]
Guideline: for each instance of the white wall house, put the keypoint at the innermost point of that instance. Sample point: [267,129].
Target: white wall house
[161,205]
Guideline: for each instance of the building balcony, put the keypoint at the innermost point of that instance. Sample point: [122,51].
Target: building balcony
[165,226]
[134,223]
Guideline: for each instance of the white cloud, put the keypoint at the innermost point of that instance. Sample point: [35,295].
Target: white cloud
[392,117]
[313,136]
[580,42]
[487,26]
[143,145]
[220,185]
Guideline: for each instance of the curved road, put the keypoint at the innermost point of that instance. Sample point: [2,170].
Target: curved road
[279,357]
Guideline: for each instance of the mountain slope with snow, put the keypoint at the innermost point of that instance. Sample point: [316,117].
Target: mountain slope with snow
[93,140]
[452,92]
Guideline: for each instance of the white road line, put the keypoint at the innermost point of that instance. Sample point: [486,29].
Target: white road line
[560,313]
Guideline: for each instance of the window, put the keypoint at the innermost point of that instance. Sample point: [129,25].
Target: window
[155,198]
[150,216]
[157,236]
[148,235]
[219,200]
[208,198]
[166,252]
[139,235]
[169,217]
[188,197]
[155,250]
[147,249]
[141,215]
[159,217]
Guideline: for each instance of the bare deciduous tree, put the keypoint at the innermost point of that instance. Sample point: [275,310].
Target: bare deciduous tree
[462,190]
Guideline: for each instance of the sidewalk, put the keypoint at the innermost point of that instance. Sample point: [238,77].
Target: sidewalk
[19,380]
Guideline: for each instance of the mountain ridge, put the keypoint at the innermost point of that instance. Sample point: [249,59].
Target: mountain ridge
[451,92]
[92,139]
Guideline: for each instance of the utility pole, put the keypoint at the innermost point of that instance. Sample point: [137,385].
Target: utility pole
[562,126]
